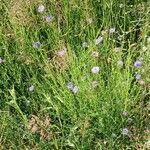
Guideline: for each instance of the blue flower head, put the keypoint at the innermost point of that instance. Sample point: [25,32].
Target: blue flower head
[37,44]
[49,18]
[137,64]
[125,131]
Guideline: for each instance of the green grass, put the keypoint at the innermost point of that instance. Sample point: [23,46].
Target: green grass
[92,118]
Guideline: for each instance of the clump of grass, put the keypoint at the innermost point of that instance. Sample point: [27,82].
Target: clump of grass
[19,12]
[74,75]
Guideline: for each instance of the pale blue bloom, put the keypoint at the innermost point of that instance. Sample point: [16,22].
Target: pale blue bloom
[125,131]
[40,8]
[37,44]
[72,87]
[49,18]
[95,69]
[137,64]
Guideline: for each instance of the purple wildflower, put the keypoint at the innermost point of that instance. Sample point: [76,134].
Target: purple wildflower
[137,64]
[95,70]
[37,44]
[72,87]
[49,18]
[125,131]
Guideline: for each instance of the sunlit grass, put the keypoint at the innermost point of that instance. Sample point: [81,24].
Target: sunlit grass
[74,74]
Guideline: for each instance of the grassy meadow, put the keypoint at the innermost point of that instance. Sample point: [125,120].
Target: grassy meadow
[74,74]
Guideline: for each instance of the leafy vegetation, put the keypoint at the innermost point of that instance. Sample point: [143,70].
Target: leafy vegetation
[74,74]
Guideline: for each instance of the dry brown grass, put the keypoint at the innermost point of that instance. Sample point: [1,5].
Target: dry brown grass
[40,125]
[1,147]
[19,11]
[59,12]
[25,58]
[61,58]
[60,62]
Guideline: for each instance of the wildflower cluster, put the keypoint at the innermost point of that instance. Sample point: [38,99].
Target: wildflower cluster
[72,87]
